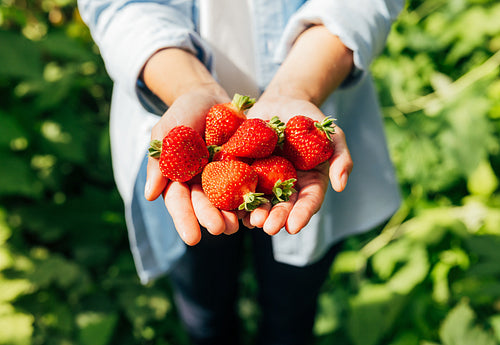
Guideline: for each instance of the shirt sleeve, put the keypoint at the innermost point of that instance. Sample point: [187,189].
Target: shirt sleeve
[128,33]
[362,25]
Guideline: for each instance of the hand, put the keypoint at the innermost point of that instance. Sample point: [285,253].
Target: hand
[186,203]
[311,185]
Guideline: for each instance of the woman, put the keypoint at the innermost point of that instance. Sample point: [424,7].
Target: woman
[170,62]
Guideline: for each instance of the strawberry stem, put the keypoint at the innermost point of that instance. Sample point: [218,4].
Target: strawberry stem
[154,148]
[283,190]
[279,128]
[326,126]
[212,150]
[252,200]
[242,103]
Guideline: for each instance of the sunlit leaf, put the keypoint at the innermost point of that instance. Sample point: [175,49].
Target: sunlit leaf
[373,311]
[495,324]
[348,262]
[329,316]
[96,328]
[459,328]
[10,289]
[16,328]
[483,180]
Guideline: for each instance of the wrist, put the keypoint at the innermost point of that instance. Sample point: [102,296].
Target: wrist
[287,90]
[172,72]
[316,65]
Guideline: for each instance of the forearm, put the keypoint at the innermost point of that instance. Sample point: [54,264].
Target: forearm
[172,72]
[316,65]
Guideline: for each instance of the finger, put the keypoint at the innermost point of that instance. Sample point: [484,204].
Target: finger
[178,202]
[155,181]
[278,216]
[341,162]
[208,215]
[258,216]
[309,200]
[246,221]
[231,221]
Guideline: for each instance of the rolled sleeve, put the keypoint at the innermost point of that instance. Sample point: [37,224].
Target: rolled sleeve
[128,33]
[361,25]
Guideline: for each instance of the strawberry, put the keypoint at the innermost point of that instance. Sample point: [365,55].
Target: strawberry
[223,120]
[277,176]
[218,154]
[182,153]
[230,185]
[308,142]
[255,138]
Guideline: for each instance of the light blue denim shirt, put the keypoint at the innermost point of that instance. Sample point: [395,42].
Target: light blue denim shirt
[129,32]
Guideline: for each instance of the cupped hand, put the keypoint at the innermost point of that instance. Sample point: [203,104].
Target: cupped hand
[186,203]
[311,185]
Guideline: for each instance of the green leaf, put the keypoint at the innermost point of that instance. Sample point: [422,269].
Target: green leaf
[60,46]
[96,328]
[448,260]
[54,269]
[459,328]
[16,328]
[468,139]
[412,273]
[495,325]
[407,338]
[142,307]
[486,246]
[19,57]
[411,260]
[329,316]
[483,180]
[373,311]
[10,289]
[348,262]
[10,129]
[17,177]
[5,230]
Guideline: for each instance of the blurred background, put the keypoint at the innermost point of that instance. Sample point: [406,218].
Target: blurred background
[431,276]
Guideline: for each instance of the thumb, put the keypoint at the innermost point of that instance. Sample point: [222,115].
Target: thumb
[155,181]
[341,162]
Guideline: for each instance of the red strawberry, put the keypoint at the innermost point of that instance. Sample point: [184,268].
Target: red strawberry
[255,138]
[221,155]
[224,119]
[182,153]
[308,142]
[277,177]
[230,185]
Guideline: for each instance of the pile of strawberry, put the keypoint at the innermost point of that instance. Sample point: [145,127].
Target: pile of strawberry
[243,162]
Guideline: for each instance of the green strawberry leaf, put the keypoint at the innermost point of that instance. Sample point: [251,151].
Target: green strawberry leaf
[242,103]
[279,128]
[283,190]
[155,148]
[252,201]
[326,126]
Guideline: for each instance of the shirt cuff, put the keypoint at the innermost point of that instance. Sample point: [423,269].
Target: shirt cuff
[361,25]
[137,31]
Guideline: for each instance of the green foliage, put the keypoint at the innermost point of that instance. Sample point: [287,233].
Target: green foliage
[430,276]
[66,273]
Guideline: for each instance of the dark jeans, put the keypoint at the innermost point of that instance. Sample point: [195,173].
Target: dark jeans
[205,284]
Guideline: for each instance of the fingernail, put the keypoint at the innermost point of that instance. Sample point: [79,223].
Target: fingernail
[147,189]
